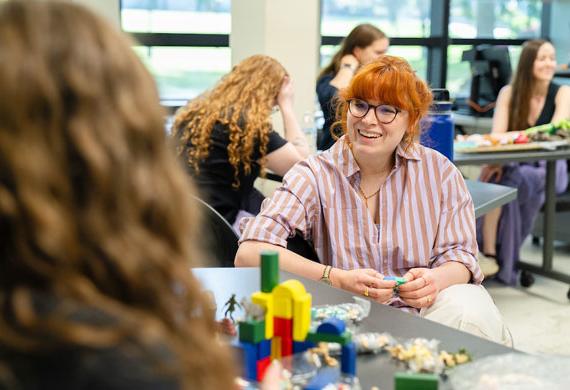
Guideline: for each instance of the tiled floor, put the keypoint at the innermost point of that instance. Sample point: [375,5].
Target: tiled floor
[538,317]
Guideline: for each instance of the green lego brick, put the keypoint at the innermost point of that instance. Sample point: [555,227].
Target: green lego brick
[343,339]
[252,331]
[415,381]
[269,270]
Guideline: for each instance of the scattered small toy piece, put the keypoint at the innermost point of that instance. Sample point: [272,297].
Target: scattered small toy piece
[321,354]
[231,304]
[399,280]
[352,313]
[253,311]
[452,360]
[422,355]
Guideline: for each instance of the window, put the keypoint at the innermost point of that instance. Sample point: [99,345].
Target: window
[409,18]
[176,16]
[495,19]
[183,42]
[184,72]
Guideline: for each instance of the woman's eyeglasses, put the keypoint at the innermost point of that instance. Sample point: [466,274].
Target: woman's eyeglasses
[384,113]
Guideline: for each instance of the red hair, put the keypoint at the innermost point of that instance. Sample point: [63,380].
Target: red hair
[389,80]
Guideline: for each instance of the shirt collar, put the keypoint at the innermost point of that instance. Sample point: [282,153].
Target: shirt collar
[349,166]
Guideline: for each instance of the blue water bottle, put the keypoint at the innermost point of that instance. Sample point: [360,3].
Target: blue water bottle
[438,128]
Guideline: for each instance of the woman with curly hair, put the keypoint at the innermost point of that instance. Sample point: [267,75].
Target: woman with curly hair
[226,138]
[95,288]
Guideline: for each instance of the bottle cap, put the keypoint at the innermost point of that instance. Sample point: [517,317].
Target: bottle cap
[440,94]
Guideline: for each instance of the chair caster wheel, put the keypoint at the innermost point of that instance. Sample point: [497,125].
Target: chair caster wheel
[527,279]
[568,294]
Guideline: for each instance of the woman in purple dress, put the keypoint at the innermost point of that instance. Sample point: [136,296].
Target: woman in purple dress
[531,99]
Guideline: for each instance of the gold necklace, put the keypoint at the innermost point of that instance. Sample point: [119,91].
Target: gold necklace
[369,196]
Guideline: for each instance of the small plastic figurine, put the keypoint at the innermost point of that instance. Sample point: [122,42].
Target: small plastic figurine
[232,304]
[253,312]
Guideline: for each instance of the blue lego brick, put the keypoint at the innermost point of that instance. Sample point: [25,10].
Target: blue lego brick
[302,346]
[263,349]
[248,359]
[348,359]
[332,326]
[324,377]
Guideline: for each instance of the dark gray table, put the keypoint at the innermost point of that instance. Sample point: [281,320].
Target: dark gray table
[550,199]
[373,370]
[488,196]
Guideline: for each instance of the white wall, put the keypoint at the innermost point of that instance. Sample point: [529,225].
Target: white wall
[286,30]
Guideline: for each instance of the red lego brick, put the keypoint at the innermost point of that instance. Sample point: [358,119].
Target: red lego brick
[286,346]
[262,367]
[282,327]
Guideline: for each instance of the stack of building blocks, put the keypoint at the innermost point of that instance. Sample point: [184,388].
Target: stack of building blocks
[284,329]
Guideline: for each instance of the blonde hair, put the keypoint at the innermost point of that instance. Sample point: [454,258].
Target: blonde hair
[93,204]
[242,102]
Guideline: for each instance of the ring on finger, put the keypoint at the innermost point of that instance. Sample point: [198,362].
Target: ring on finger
[365,291]
[428,298]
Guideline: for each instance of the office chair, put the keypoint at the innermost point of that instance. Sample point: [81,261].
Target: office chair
[220,241]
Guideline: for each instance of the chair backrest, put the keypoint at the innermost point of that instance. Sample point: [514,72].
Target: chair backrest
[302,247]
[219,239]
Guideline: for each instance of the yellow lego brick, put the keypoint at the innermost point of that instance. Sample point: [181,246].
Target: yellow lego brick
[283,307]
[276,348]
[301,317]
[290,288]
[266,301]
[285,293]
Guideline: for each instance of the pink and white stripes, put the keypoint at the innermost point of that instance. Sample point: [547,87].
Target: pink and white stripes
[426,213]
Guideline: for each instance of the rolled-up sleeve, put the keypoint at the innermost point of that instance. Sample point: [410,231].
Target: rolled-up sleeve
[291,208]
[456,238]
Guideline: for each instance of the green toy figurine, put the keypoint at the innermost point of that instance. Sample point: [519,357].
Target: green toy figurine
[232,304]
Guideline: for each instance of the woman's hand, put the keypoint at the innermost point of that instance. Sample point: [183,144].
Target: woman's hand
[351,60]
[489,172]
[366,281]
[286,94]
[421,288]
[273,377]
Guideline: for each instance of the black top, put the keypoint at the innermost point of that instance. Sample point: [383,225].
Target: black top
[549,105]
[123,366]
[327,98]
[216,174]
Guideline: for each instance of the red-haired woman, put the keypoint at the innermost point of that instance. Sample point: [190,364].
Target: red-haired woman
[378,204]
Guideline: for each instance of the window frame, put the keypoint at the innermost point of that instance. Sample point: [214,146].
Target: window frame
[437,43]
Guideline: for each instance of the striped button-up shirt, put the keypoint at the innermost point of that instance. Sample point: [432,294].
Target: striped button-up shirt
[426,213]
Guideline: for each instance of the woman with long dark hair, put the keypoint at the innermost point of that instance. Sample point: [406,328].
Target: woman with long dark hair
[362,45]
[531,99]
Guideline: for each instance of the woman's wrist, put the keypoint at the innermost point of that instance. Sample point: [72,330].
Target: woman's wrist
[286,108]
[335,276]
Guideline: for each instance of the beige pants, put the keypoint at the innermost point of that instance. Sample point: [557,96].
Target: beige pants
[471,309]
